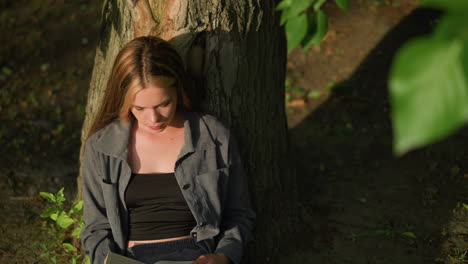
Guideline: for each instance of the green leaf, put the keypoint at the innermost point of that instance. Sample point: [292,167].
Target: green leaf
[72,261]
[300,6]
[77,207]
[409,234]
[458,6]
[452,26]
[343,4]
[69,246]
[314,94]
[53,260]
[60,192]
[77,231]
[308,40]
[297,7]
[60,201]
[54,216]
[296,29]
[49,212]
[60,129]
[318,4]
[64,220]
[284,4]
[429,92]
[284,16]
[48,196]
[317,29]
[87,260]
[322,27]
[7,71]
[60,196]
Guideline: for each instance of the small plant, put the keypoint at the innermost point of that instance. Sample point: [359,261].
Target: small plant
[458,257]
[66,225]
[460,207]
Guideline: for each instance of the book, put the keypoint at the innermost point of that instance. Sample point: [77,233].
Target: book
[173,262]
[114,258]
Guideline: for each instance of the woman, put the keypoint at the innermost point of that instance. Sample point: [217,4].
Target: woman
[161,182]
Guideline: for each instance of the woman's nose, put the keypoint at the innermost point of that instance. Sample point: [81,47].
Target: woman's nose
[155,116]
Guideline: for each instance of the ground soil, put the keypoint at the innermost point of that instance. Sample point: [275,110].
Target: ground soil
[46,58]
[350,38]
[358,203]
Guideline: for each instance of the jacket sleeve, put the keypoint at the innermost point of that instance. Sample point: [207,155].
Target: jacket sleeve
[238,216]
[96,235]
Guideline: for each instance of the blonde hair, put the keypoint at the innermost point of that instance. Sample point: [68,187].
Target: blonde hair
[138,61]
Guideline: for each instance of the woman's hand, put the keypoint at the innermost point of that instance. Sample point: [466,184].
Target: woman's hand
[212,259]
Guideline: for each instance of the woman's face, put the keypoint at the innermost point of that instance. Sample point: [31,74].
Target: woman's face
[154,107]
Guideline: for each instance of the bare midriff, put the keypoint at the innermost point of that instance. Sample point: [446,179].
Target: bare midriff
[132,243]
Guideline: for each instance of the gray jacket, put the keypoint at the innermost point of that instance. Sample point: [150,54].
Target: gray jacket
[209,172]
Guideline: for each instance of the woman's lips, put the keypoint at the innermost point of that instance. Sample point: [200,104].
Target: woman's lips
[156,127]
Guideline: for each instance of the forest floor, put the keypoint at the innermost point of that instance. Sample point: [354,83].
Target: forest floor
[46,59]
[358,202]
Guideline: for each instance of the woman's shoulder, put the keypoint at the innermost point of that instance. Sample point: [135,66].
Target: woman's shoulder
[213,123]
[212,120]
[116,131]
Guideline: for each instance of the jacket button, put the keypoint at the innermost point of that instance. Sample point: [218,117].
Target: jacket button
[186,186]
[202,224]
[194,235]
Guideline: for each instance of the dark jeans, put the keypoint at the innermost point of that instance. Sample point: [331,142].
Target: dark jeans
[182,250]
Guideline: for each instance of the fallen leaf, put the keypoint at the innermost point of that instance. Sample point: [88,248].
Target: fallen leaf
[23,104]
[297,103]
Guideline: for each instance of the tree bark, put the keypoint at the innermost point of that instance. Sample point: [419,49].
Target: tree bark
[235,51]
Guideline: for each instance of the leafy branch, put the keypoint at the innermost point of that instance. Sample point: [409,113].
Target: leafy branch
[305,22]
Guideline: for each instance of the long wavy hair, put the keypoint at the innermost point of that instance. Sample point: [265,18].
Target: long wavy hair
[138,61]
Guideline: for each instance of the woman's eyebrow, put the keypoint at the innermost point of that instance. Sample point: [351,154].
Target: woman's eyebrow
[164,102]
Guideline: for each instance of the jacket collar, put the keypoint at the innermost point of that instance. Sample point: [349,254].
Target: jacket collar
[113,139]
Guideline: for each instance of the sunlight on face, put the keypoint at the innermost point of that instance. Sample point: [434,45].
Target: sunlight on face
[154,107]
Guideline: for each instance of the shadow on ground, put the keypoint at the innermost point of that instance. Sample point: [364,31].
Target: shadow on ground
[359,203]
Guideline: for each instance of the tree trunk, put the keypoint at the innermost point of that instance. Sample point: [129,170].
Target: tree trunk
[235,51]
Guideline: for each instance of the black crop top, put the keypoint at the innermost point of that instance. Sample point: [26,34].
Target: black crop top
[157,208]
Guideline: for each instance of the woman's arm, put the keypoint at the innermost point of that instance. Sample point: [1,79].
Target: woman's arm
[238,215]
[96,236]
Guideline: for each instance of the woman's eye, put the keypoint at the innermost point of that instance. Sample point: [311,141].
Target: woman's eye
[138,108]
